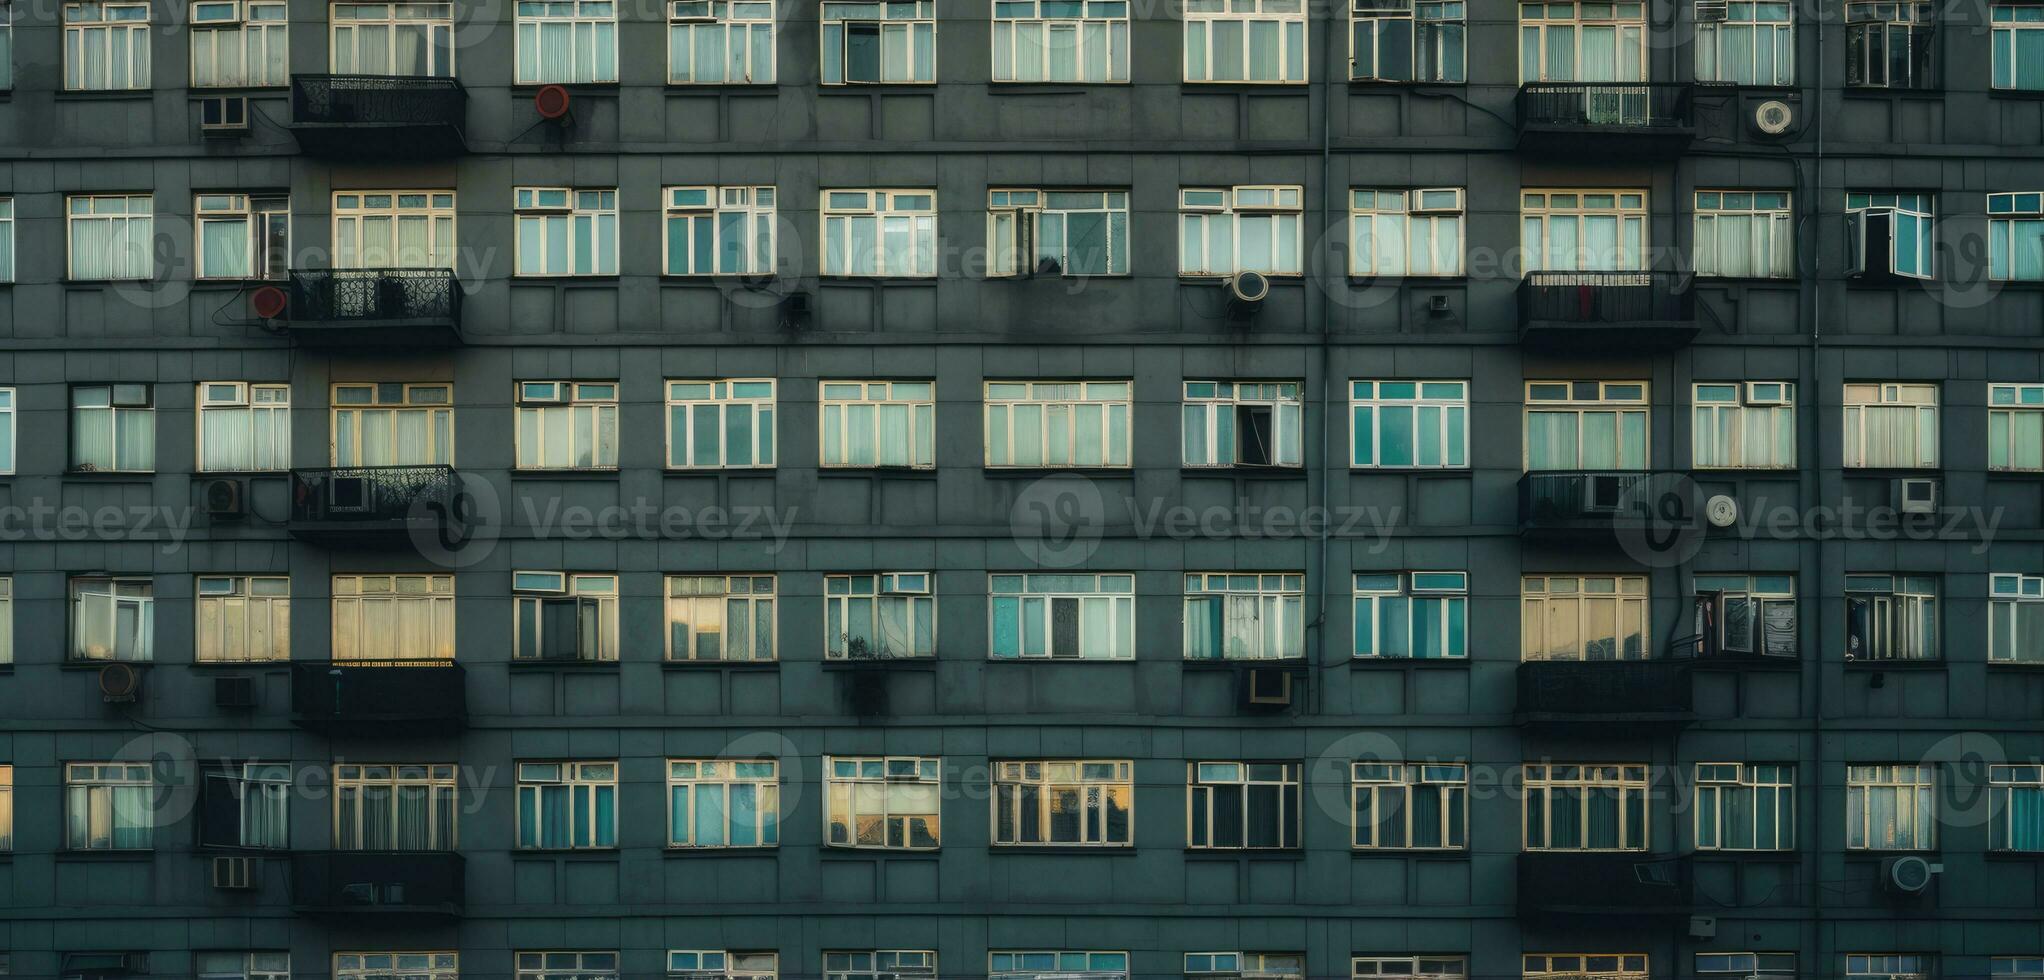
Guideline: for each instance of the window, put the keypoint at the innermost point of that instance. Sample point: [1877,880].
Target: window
[394,229]
[881,964]
[1744,425]
[243,618]
[720,42]
[1744,42]
[1407,41]
[6,619]
[1241,805]
[1224,230]
[1245,617]
[880,233]
[712,231]
[2015,224]
[395,808]
[1891,617]
[1234,966]
[111,236]
[1064,803]
[1889,235]
[1588,42]
[108,806]
[7,432]
[1586,425]
[1586,808]
[1039,964]
[2015,427]
[1581,966]
[1401,424]
[113,428]
[1745,234]
[877,802]
[1063,617]
[1891,426]
[876,424]
[1416,615]
[1245,41]
[723,803]
[1890,44]
[381,618]
[720,617]
[1746,966]
[567,425]
[1748,614]
[563,616]
[879,617]
[1056,233]
[6,812]
[243,966]
[2015,618]
[393,39]
[106,46]
[1033,424]
[395,966]
[1569,617]
[244,427]
[393,424]
[1405,233]
[565,231]
[247,806]
[724,424]
[567,805]
[1409,805]
[702,964]
[2016,966]
[894,41]
[1409,968]
[6,203]
[2018,808]
[113,619]
[1886,966]
[239,43]
[6,83]
[564,965]
[567,41]
[1242,423]
[1060,40]
[1890,808]
[1584,231]
[1745,807]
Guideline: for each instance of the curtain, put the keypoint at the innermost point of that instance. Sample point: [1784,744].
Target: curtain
[1551,441]
[1602,810]
[1394,629]
[1565,817]
[413,829]
[2026,819]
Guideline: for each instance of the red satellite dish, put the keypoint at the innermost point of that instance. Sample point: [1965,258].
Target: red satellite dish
[268,302]
[551,101]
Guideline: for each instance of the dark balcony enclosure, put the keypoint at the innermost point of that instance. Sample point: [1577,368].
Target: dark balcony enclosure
[1591,312]
[1606,884]
[358,883]
[1597,692]
[1651,506]
[393,308]
[376,505]
[411,697]
[1603,120]
[378,116]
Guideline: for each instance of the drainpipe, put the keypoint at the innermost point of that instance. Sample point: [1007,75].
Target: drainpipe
[1329,280]
[1816,700]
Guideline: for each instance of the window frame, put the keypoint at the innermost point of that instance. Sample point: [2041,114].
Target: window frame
[261,794]
[1409,967]
[261,217]
[8,245]
[1630,210]
[1763,592]
[439,604]
[1632,782]
[427,965]
[352,251]
[254,965]
[591,594]
[531,400]
[751,596]
[1711,43]
[2003,783]
[432,402]
[1116,588]
[102,29]
[1913,607]
[766,790]
[123,402]
[1404,780]
[595,23]
[1573,966]
[1199,204]
[1857,966]
[923,231]
[1281,594]
[6,620]
[1293,52]
[1077,27]
[1003,396]
[243,588]
[1211,401]
[729,22]
[1918,788]
[1081,964]
[579,208]
[134,592]
[2007,595]
[1578,23]
[2009,212]
[1450,15]
[1245,965]
[243,21]
[438,782]
[756,207]
[1408,588]
[1611,398]
[722,394]
[94,786]
[918,402]
[891,770]
[1015,221]
[2008,404]
[1770,215]
[1894,208]
[1375,395]
[255,400]
[441,26]
[584,782]
[1772,398]
[732,964]
[1889,394]
[1406,214]
[555,964]
[916,591]
[880,964]
[1745,966]
[1918,23]
[1203,803]
[1627,601]
[1719,782]
[123,224]
[926,17]
[1007,777]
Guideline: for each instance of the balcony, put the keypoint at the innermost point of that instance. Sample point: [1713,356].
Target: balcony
[1607,312]
[363,883]
[1605,120]
[1607,884]
[376,506]
[1649,507]
[421,697]
[1565,693]
[391,308]
[378,117]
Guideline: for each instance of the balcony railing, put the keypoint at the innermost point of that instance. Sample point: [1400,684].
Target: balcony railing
[1603,311]
[1587,104]
[1604,690]
[1603,883]
[402,695]
[358,498]
[1661,504]
[378,115]
[375,307]
[355,883]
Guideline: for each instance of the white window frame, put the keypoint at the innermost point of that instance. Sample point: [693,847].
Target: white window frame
[1058,409]
[1278,204]
[1769,247]
[1107,19]
[253,599]
[686,781]
[97,795]
[2003,782]
[1907,605]
[255,965]
[1746,966]
[1377,600]
[358,637]
[357,403]
[262,218]
[117,596]
[434,786]
[1436,24]
[356,213]
[1029,228]
[1753,411]
[1912,786]
[717,964]
[1034,597]
[6,621]
[593,600]
[855,411]
[2010,409]
[1436,413]
[1558,598]
[880,964]
[722,398]
[1887,966]
[1629,403]
[1631,783]
[1742,614]
[747,592]
[912,33]
[2010,214]
[1235,965]
[565,965]
[743,18]
[1579,966]
[1873,213]
[7,242]
[1077,781]
[688,209]
[397,966]
[910,596]
[1390,789]
[585,783]
[2016,967]
[435,20]
[254,30]
[123,405]
[132,233]
[1289,19]
[1918,400]
[249,403]
[1766,788]
[897,788]
[590,429]
[595,18]
[1543,210]
[1771,25]
[1409,968]
[1046,964]
[1625,19]
[2009,595]
[1415,222]
[581,215]
[1246,601]
[105,23]
[262,795]
[1277,783]
[908,214]
[1211,406]
[1869,24]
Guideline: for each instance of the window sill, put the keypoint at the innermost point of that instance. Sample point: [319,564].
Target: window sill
[1402,83]
[1033,661]
[1301,86]
[879,280]
[1448,853]
[1745,280]
[1755,662]
[1402,663]
[676,88]
[1125,850]
[572,853]
[882,88]
[603,473]
[135,855]
[875,472]
[879,663]
[2021,95]
[574,88]
[2016,666]
[1930,854]
[1223,663]
[2018,857]
[1884,92]
[224,284]
[747,850]
[1890,472]
[713,470]
[70,663]
[747,279]
[1038,86]
[1748,857]
[1251,470]
[565,279]
[109,475]
[211,665]
[1903,665]
[841,852]
[1038,472]
[214,91]
[720,665]
[240,474]
[1412,470]
[104,95]
[1245,854]
[1208,279]
[1428,282]
[565,666]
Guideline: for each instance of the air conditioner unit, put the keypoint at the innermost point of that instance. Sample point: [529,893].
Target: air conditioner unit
[1703,927]
[119,684]
[224,500]
[1267,687]
[350,495]
[1916,495]
[1909,875]
[1772,117]
[1721,510]
[235,873]
[234,692]
[1708,11]
[1246,293]
[223,116]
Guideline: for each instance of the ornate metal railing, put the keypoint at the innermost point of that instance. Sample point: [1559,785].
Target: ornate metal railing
[378,99]
[1641,104]
[1606,297]
[344,295]
[373,493]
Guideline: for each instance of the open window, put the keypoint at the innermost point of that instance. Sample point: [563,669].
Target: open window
[1745,616]
[245,806]
[566,617]
[1891,617]
[1888,236]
